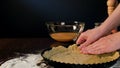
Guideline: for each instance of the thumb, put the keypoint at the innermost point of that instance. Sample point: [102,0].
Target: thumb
[80,40]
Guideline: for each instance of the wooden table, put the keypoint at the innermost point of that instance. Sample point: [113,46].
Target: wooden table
[10,46]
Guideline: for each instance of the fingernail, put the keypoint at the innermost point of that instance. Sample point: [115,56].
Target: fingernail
[90,51]
[85,52]
[83,49]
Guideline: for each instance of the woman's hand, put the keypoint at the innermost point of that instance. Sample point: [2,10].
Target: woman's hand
[106,44]
[90,36]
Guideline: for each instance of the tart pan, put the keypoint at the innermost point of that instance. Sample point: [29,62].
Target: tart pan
[67,65]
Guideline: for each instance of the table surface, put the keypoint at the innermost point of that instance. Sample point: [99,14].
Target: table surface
[10,46]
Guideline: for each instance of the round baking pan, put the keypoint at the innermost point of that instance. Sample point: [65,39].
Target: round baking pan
[64,65]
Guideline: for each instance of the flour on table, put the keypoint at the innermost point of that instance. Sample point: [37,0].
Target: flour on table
[27,61]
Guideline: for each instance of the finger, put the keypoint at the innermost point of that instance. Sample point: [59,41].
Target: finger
[94,45]
[97,50]
[84,51]
[86,43]
[91,48]
[80,40]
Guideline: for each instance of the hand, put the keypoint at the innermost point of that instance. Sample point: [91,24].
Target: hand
[90,36]
[106,44]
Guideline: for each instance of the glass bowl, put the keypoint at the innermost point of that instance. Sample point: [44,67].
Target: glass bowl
[65,31]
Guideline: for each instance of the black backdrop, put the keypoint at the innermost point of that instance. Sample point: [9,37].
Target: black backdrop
[26,18]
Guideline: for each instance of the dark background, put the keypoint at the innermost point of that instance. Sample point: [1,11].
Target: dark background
[26,18]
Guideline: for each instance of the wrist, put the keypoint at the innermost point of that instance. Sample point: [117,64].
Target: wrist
[103,30]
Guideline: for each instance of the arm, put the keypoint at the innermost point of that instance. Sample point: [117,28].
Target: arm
[112,21]
[109,43]
[111,5]
[88,37]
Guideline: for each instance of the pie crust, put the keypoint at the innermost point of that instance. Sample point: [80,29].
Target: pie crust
[72,55]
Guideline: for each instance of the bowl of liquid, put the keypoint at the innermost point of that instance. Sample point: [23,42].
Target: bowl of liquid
[65,31]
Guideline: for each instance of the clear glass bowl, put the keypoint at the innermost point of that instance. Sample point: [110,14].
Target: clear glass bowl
[65,31]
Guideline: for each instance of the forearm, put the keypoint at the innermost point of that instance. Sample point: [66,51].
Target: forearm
[112,21]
